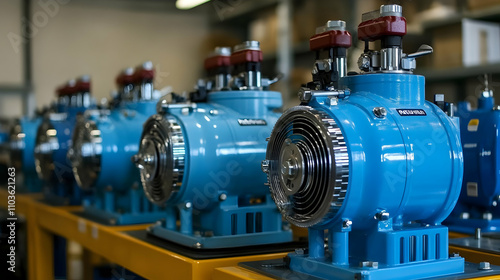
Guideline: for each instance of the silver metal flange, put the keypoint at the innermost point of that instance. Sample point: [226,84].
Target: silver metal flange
[161,157]
[85,154]
[307,164]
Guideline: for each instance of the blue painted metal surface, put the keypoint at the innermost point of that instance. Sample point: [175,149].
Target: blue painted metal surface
[219,197]
[478,205]
[111,176]
[59,183]
[404,177]
[22,147]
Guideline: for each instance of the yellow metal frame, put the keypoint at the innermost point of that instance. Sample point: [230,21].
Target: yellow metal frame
[24,203]
[149,261]
[145,259]
[112,243]
[239,273]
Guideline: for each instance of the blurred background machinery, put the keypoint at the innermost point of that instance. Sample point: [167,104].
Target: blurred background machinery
[201,160]
[103,142]
[53,139]
[358,161]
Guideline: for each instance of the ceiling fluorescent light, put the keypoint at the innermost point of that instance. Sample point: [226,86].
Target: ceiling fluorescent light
[188,4]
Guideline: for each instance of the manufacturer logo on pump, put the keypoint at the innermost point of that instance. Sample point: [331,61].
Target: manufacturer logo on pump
[246,122]
[411,112]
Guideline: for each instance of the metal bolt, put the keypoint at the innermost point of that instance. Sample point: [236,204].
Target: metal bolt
[391,10]
[288,168]
[438,97]
[364,62]
[197,233]
[464,215]
[346,223]
[379,112]
[382,216]
[335,25]
[162,106]
[314,70]
[333,100]
[285,226]
[477,233]
[299,251]
[208,233]
[484,266]
[197,245]
[305,94]
[368,264]
[454,255]
[185,111]
[112,222]
[265,166]
[188,205]
[214,112]
[247,45]
[487,216]
[326,66]
[222,196]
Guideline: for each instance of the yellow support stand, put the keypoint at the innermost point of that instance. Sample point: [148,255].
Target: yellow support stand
[24,209]
[145,259]
[237,273]
[112,243]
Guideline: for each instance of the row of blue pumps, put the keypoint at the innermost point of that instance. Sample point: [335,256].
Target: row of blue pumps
[363,162]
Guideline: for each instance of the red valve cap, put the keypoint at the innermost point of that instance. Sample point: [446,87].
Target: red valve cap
[245,56]
[124,79]
[375,29]
[144,74]
[330,39]
[217,61]
[82,86]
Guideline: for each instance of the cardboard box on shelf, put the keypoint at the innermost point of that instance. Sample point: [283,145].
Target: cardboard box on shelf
[481,42]
[265,30]
[304,21]
[482,4]
[469,43]
[447,44]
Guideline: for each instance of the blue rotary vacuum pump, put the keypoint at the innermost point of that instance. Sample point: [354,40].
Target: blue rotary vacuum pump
[201,160]
[53,139]
[366,163]
[104,141]
[21,148]
[479,202]
[22,143]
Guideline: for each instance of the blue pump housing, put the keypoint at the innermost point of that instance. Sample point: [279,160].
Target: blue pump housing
[53,140]
[201,161]
[479,199]
[394,175]
[22,146]
[102,147]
